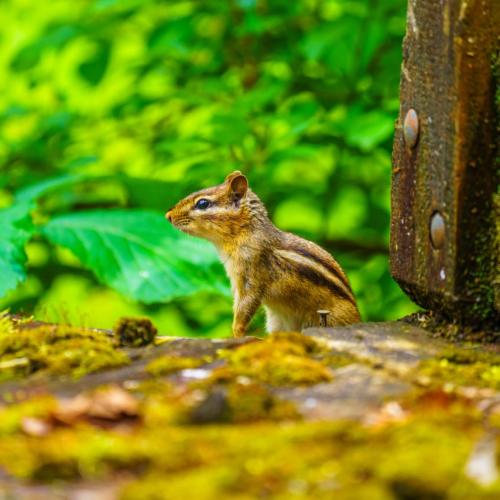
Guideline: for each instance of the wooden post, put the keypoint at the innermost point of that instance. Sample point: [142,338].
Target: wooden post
[444,243]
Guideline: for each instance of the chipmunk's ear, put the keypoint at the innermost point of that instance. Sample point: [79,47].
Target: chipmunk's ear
[231,176]
[238,185]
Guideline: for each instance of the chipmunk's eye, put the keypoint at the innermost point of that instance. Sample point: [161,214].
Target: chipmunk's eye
[202,204]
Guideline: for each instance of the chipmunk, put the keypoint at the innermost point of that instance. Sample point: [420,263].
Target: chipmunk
[292,277]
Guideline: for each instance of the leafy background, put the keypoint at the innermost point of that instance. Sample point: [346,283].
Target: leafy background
[111,111]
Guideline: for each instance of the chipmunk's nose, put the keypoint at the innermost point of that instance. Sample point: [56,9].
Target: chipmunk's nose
[168,215]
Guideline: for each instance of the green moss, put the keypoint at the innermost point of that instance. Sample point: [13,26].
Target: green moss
[477,375]
[463,367]
[240,401]
[238,390]
[134,332]
[260,447]
[306,344]
[6,324]
[259,460]
[441,326]
[73,453]
[338,359]
[12,416]
[344,461]
[280,359]
[165,365]
[251,402]
[56,350]
[423,456]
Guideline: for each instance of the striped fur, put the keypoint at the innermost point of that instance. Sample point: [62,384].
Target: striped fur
[293,278]
[318,273]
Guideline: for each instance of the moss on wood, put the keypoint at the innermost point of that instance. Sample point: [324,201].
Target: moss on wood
[234,434]
[461,366]
[303,459]
[166,365]
[280,359]
[54,350]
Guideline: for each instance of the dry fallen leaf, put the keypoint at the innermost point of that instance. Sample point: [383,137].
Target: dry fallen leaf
[390,412]
[111,403]
[71,410]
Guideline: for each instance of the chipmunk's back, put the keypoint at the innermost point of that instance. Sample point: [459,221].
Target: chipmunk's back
[308,279]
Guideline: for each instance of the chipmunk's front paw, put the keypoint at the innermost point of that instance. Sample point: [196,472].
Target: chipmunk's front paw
[238,332]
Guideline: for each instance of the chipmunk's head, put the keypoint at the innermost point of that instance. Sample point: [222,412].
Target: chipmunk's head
[217,213]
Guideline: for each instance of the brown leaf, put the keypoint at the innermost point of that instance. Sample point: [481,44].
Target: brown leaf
[112,403]
[391,412]
[71,410]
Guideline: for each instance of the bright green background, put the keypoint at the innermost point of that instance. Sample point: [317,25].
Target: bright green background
[156,99]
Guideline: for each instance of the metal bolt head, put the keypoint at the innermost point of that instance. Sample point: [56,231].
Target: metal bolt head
[411,128]
[323,316]
[438,231]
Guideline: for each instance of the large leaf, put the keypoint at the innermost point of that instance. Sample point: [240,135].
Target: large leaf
[33,192]
[15,230]
[139,253]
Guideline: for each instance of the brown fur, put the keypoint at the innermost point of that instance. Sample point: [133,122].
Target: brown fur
[293,278]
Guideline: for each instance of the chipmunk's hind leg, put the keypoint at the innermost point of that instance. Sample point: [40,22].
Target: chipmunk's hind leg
[276,322]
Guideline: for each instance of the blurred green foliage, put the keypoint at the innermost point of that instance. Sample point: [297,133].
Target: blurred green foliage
[152,100]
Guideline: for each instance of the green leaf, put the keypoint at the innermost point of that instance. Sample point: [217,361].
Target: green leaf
[33,192]
[94,68]
[26,58]
[139,253]
[55,37]
[17,229]
[172,38]
[369,129]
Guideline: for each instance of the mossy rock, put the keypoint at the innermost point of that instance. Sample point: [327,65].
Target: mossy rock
[344,460]
[240,434]
[279,359]
[167,364]
[55,350]
[461,366]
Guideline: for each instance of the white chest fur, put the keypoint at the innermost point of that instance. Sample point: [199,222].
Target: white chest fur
[229,266]
[236,264]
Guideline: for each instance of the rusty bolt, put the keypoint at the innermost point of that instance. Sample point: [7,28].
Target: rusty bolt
[323,316]
[437,230]
[411,128]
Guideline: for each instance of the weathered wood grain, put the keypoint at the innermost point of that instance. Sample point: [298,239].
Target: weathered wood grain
[448,78]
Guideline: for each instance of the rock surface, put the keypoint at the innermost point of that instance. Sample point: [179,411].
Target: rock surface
[308,415]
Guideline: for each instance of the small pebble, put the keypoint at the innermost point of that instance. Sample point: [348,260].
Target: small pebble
[196,373]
